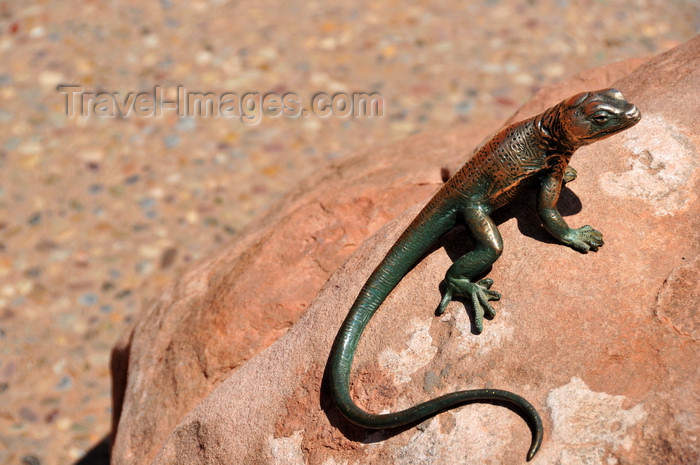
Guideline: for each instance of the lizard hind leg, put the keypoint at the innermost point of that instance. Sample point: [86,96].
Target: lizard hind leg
[459,277]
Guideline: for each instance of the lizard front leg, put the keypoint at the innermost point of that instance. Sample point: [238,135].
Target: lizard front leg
[582,239]
[458,279]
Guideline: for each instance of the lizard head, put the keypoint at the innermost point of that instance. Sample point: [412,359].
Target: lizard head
[590,116]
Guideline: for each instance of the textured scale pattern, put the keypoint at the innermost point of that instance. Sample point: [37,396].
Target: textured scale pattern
[536,150]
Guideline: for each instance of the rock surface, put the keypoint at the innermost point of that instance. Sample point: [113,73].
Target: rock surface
[604,344]
[235,304]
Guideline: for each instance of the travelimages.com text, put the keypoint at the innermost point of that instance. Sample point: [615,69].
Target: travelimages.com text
[249,107]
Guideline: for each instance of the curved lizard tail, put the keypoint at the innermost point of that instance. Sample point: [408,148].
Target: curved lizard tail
[408,249]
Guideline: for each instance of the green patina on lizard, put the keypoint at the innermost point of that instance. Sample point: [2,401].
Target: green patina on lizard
[537,150]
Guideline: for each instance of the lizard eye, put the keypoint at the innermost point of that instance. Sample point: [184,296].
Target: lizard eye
[601,117]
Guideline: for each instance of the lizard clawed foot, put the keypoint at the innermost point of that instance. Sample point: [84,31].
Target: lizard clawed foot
[479,293]
[569,174]
[583,239]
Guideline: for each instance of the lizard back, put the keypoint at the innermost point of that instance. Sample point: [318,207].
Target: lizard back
[501,167]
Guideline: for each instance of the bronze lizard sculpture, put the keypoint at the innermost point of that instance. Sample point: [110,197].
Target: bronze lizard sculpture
[536,150]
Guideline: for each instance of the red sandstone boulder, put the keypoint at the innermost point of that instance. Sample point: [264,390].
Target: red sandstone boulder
[605,345]
[231,306]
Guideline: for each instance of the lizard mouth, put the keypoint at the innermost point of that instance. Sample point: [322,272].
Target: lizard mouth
[633,115]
